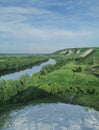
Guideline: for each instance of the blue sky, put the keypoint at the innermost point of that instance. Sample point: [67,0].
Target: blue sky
[44,26]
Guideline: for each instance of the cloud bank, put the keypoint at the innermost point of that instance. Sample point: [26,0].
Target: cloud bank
[36,26]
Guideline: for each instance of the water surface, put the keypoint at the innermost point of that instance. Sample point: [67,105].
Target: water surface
[29,71]
[52,116]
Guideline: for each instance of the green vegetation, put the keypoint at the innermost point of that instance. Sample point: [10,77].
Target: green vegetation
[15,63]
[73,79]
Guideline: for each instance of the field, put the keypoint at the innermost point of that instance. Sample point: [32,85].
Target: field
[73,79]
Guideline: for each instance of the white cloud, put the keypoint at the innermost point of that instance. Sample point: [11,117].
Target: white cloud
[43,40]
[19,14]
[37,26]
[22,30]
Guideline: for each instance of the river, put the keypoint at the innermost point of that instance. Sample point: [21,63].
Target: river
[52,116]
[48,116]
[30,71]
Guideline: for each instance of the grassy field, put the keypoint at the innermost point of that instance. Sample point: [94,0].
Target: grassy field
[78,88]
[74,79]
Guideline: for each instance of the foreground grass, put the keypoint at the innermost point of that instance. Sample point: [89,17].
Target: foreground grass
[78,88]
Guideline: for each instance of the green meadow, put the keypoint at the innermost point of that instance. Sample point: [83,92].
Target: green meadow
[73,79]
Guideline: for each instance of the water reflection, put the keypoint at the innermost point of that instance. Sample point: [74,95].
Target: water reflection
[53,117]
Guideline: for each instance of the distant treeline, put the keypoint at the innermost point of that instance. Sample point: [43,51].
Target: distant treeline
[16,63]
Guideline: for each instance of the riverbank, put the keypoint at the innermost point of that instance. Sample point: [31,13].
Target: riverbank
[68,80]
[10,88]
[7,108]
[48,99]
[76,88]
[16,63]
[30,71]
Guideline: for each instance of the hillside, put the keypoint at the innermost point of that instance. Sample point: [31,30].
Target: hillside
[79,52]
[88,57]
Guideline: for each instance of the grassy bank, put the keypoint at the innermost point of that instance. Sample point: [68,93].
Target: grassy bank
[6,109]
[14,63]
[71,80]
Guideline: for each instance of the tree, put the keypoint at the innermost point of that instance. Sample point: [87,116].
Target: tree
[25,79]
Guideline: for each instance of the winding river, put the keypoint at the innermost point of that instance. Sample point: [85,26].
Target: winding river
[48,116]
[29,71]
[52,116]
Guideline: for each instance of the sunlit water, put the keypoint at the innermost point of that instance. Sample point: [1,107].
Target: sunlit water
[29,71]
[52,116]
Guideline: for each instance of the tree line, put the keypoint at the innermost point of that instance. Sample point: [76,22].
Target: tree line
[16,63]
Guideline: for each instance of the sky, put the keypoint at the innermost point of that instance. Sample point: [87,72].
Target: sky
[44,26]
